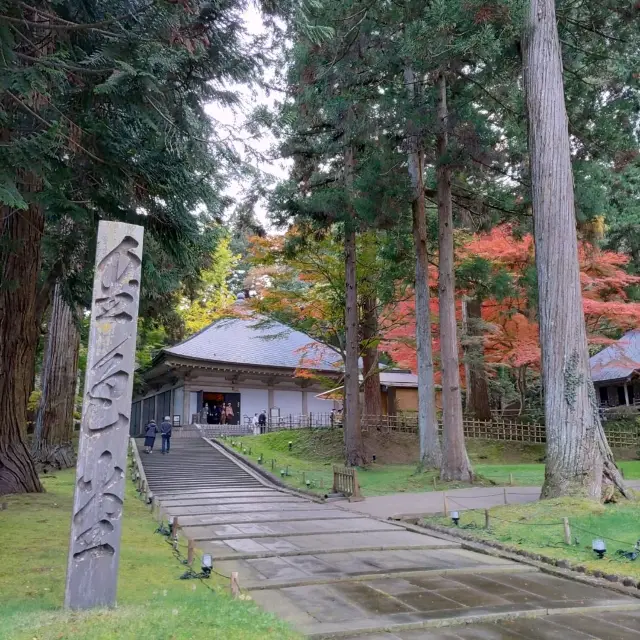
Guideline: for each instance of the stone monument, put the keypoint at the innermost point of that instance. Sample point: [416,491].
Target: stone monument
[94,548]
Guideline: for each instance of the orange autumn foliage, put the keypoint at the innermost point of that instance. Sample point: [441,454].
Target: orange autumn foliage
[511,335]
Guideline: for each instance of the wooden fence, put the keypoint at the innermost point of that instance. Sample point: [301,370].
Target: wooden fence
[345,480]
[619,435]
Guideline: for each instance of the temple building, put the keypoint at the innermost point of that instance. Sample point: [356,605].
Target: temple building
[616,372]
[247,365]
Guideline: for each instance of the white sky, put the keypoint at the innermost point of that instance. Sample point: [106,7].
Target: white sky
[252,97]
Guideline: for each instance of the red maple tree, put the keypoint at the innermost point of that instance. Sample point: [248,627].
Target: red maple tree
[511,335]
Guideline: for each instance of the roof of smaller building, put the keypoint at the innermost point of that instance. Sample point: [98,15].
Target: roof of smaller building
[398,378]
[618,361]
[257,340]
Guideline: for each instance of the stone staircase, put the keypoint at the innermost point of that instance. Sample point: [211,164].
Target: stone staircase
[192,465]
[335,573]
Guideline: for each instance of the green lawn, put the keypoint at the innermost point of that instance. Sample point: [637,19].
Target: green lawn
[152,602]
[538,528]
[314,451]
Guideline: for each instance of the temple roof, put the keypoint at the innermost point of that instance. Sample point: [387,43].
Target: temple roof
[618,361]
[258,341]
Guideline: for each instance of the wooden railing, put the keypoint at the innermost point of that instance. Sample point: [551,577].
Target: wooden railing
[345,480]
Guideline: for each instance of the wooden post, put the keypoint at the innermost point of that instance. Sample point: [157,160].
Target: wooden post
[94,549]
[304,478]
[511,479]
[190,551]
[435,484]
[235,584]
[444,502]
[486,518]
[504,491]
[567,531]
[174,527]
[357,495]
[273,464]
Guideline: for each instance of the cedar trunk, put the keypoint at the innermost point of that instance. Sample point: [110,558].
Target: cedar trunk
[370,364]
[20,240]
[353,444]
[430,451]
[52,442]
[577,451]
[455,462]
[477,387]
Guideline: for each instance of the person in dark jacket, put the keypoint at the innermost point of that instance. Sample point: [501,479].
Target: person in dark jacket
[150,436]
[165,431]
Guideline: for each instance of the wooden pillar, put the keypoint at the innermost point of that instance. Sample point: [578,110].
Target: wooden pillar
[186,406]
[305,403]
[626,394]
[271,399]
[94,548]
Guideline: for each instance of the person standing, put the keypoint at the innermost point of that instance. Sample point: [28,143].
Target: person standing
[254,424]
[262,421]
[229,412]
[165,431]
[223,414]
[150,436]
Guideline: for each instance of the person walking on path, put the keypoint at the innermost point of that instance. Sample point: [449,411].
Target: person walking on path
[150,436]
[165,430]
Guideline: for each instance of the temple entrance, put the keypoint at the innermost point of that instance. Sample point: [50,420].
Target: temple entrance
[217,403]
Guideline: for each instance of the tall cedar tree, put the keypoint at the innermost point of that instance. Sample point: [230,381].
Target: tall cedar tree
[455,462]
[100,121]
[53,434]
[578,456]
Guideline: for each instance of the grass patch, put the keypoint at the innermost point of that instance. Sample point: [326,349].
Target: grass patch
[314,451]
[538,528]
[152,602]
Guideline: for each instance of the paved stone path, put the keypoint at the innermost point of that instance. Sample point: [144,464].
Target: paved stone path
[398,504]
[332,572]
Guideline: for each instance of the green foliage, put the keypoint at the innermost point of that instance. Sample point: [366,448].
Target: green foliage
[120,132]
[213,296]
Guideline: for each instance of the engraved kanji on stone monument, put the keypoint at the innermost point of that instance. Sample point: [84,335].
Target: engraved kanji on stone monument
[94,548]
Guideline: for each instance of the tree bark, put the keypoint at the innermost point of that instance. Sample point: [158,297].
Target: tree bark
[20,253]
[370,360]
[52,440]
[577,451]
[455,462]
[430,451]
[20,239]
[478,403]
[353,443]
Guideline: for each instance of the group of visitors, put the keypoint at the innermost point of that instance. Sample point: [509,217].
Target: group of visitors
[218,414]
[152,430]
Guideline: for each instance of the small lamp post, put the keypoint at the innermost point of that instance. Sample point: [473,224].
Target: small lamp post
[599,547]
[290,445]
[207,564]
[455,516]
